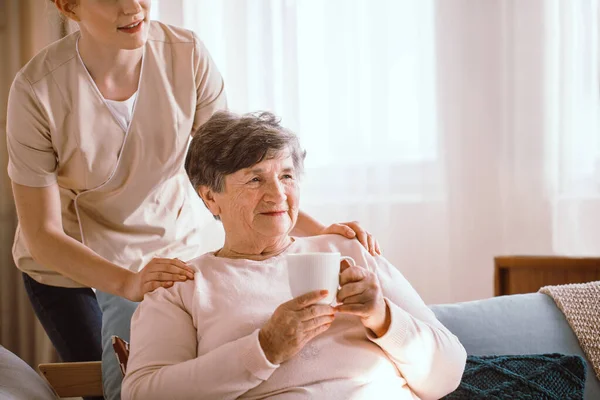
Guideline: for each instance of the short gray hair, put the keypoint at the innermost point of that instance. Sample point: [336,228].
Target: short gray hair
[229,142]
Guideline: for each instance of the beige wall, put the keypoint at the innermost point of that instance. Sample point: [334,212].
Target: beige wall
[26,26]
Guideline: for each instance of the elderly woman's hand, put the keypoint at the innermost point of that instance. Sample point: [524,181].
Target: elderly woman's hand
[361,295]
[353,230]
[293,324]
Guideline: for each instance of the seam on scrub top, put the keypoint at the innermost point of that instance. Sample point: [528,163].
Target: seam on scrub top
[38,104]
[53,69]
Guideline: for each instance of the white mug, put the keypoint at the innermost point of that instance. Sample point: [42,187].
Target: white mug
[315,271]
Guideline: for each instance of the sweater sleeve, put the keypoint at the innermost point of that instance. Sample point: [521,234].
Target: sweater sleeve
[427,355]
[163,361]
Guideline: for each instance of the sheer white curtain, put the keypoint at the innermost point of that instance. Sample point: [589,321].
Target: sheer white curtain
[453,130]
[574,110]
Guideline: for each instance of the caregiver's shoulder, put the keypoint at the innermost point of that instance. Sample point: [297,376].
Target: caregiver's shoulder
[160,32]
[52,57]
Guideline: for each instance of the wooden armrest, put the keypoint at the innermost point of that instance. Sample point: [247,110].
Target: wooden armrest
[74,379]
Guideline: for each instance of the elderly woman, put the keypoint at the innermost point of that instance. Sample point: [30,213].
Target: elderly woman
[236,332]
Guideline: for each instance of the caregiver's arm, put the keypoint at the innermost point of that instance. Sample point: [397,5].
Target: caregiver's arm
[308,226]
[428,355]
[39,212]
[163,361]
[40,219]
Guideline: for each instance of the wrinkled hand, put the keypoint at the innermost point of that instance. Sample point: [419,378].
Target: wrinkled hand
[361,295]
[160,272]
[353,230]
[293,324]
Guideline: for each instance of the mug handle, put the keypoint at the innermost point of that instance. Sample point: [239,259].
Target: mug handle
[352,262]
[349,259]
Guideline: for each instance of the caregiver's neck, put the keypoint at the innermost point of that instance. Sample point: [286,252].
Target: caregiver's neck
[256,248]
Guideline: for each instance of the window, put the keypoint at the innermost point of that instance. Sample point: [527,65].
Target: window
[354,78]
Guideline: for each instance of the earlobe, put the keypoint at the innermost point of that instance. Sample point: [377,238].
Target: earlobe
[67,8]
[208,197]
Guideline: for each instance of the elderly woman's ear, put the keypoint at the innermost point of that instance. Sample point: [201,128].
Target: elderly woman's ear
[208,197]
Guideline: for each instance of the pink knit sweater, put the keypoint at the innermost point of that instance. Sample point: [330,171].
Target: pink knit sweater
[199,339]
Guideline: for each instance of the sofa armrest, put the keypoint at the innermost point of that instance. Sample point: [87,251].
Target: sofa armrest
[74,379]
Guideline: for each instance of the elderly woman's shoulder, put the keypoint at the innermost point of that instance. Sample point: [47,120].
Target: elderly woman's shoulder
[202,261]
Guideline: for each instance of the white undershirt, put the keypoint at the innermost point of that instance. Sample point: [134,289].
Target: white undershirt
[121,110]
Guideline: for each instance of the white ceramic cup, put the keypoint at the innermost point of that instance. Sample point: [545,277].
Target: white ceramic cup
[308,272]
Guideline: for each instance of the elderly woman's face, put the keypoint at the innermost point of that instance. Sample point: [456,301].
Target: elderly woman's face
[262,199]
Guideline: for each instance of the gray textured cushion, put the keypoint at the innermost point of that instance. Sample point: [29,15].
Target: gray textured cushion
[18,381]
[510,325]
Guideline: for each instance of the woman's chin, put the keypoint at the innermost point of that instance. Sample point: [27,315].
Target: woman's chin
[133,44]
[134,41]
[275,230]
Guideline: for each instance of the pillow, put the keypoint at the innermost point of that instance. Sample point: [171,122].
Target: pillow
[544,377]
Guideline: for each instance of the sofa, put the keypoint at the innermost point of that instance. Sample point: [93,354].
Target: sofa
[516,324]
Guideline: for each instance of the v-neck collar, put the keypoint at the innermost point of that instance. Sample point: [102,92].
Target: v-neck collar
[95,86]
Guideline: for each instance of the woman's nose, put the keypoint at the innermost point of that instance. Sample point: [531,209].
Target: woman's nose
[275,192]
[131,7]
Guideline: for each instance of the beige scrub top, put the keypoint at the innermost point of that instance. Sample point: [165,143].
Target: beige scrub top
[124,191]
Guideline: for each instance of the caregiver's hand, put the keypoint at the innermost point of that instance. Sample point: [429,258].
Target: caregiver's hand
[293,324]
[160,272]
[353,230]
[361,295]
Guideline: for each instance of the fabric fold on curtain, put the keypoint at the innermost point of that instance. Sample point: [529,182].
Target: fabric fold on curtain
[26,26]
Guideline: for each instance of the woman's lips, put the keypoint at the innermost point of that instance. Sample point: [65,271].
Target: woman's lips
[274,213]
[132,28]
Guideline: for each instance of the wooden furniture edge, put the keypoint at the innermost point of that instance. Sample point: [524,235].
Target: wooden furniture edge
[74,379]
[545,262]
[503,263]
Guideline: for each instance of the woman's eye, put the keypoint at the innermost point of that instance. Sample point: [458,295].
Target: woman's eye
[255,179]
[288,176]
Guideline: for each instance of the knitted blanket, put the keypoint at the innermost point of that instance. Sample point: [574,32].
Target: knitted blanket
[580,303]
